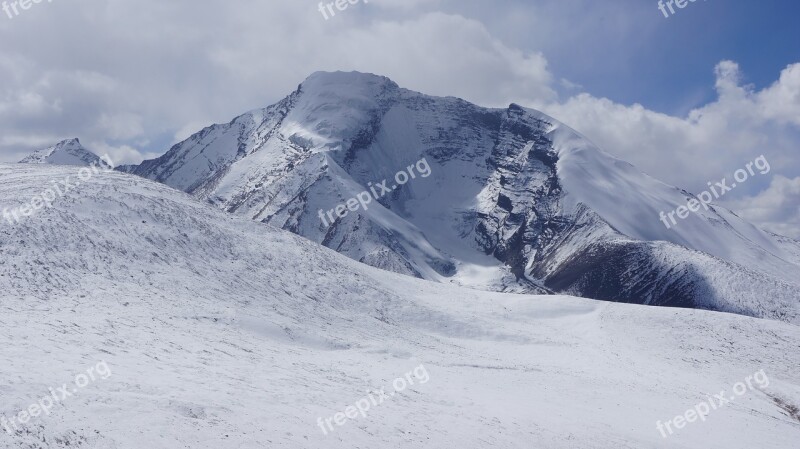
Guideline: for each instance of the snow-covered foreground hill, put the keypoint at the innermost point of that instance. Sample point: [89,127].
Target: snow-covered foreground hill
[225,333]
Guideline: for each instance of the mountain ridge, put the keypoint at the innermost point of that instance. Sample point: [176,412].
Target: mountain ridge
[498,213]
[506,183]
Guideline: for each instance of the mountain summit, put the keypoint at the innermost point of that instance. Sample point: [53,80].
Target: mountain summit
[66,152]
[515,200]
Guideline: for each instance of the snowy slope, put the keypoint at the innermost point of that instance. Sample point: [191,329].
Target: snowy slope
[631,201]
[515,200]
[225,333]
[66,152]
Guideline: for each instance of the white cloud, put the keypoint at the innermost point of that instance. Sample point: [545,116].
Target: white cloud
[119,154]
[776,209]
[428,53]
[708,144]
[121,126]
[208,64]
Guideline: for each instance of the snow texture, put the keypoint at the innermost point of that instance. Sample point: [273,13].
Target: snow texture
[226,333]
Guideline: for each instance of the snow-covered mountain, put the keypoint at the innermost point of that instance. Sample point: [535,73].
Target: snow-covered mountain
[224,333]
[66,152]
[515,201]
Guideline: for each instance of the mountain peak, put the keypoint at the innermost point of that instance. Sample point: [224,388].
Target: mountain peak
[346,86]
[322,78]
[65,152]
[509,200]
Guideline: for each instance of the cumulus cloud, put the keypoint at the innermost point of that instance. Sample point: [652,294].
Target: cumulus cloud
[776,209]
[711,142]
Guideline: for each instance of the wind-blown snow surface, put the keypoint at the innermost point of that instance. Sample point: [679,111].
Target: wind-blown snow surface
[515,200]
[225,333]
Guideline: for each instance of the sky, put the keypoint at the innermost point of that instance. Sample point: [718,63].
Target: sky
[688,98]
